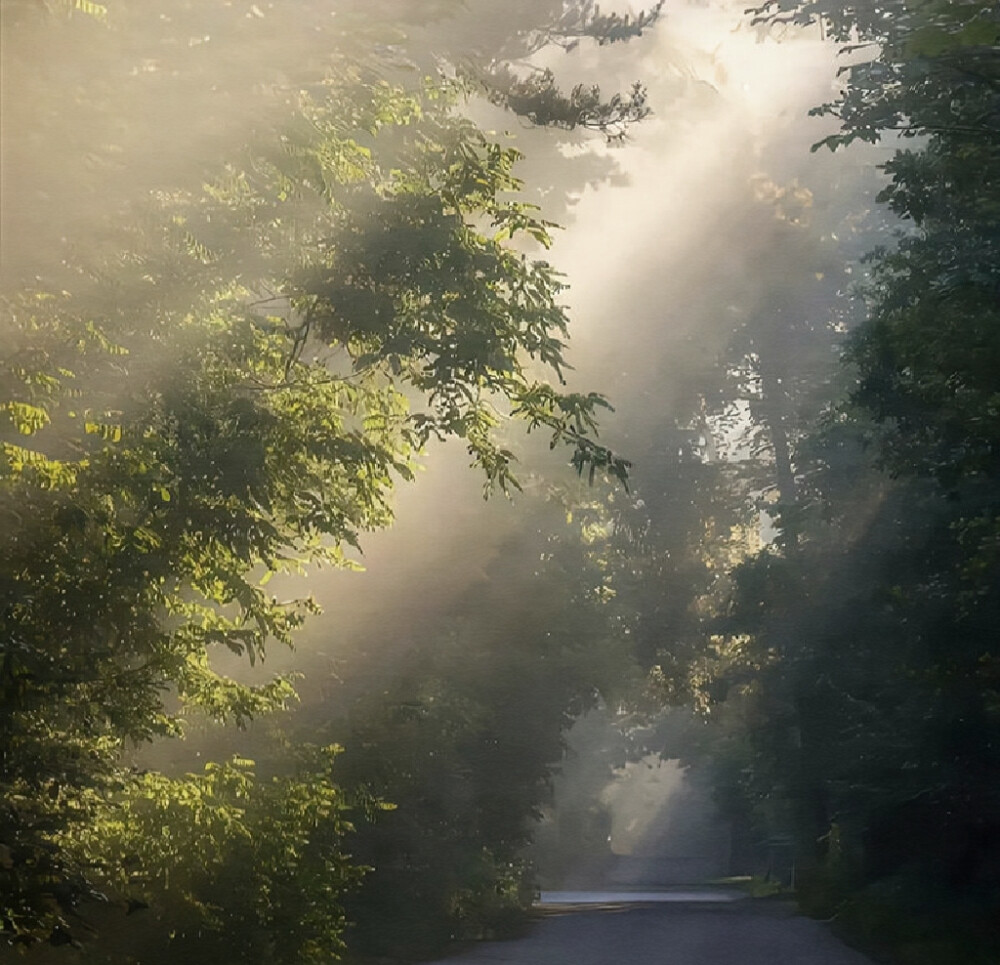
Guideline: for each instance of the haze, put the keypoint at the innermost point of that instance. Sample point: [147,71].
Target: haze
[284,284]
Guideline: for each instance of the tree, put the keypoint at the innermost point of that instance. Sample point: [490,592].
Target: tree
[932,74]
[223,865]
[227,387]
[464,728]
[863,689]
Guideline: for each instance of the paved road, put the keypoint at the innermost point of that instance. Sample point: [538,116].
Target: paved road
[744,932]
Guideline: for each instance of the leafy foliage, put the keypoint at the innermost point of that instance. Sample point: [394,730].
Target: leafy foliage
[226,390]
[538,98]
[467,729]
[859,663]
[586,20]
[229,866]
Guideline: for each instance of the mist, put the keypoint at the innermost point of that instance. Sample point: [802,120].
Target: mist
[249,612]
[685,219]
[712,211]
[660,236]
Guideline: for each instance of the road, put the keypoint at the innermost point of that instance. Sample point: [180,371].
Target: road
[647,903]
[743,932]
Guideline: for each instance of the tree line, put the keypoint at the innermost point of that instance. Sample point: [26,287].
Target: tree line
[216,371]
[850,664]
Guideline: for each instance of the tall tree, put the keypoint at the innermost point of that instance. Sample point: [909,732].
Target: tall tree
[865,676]
[224,386]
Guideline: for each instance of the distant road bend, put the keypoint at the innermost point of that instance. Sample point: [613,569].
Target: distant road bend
[673,927]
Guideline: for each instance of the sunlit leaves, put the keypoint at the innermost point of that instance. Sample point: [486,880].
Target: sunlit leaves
[231,861]
[230,393]
[27,419]
[107,431]
[98,11]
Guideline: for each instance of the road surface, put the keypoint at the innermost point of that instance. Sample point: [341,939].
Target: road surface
[683,932]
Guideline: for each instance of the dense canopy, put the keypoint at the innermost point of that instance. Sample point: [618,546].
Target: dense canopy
[260,260]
